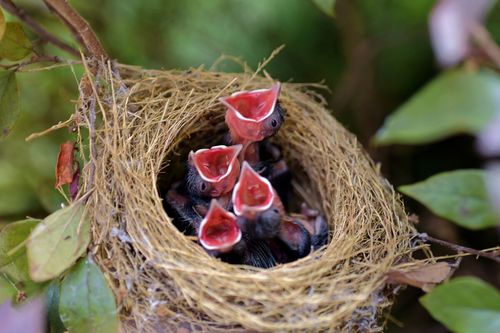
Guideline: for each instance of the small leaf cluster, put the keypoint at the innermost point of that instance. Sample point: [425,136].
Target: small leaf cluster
[14,46]
[457,101]
[44,257]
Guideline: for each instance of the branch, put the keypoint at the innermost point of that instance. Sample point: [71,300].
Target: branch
[486,42]
[458,248]
[9,6]
[34,60]
[79,26]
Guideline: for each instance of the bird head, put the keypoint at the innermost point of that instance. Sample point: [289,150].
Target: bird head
[253,115]
[219,230]
[213,172]
[253,194]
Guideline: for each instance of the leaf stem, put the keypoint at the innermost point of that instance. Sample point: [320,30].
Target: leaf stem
[34,60]
[9,6]
[458,248]
[484,40]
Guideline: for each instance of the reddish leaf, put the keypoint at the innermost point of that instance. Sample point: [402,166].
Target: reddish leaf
[65,162]
[424,278]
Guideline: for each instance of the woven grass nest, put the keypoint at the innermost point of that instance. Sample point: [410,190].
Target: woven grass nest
[165,282]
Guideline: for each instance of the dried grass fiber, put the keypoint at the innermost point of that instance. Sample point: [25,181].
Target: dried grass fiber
[165,282]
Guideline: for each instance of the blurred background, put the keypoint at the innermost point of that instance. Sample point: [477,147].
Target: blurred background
[373,55]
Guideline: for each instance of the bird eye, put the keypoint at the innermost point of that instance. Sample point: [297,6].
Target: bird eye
[274,123]
[203,186]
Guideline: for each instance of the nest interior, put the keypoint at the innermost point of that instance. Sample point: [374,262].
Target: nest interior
[164,281]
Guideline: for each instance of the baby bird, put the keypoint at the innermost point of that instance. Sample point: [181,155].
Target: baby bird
[218,232]
[220,235]
[316,225]
[295,238]
[253,116]
[213,172]
[189,209]
[261,216]
[254,194]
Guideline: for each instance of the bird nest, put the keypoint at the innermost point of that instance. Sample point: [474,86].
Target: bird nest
[165,282]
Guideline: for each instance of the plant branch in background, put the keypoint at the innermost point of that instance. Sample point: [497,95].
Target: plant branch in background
[34,60]
[9,6]
[483,39]
[459,248]
[79,26]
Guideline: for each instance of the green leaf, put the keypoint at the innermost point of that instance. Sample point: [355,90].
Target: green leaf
[9,102]
[11,236]
[87,304]
[18,274]
[52,296]
[7,290]
[465,305]
[15,264]
[326,6]
[457,101]
[459,196]
[15,45]
[57,242]
[2,24]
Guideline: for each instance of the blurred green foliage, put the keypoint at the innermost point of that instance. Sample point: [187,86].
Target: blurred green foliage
[457,101]
[458,195]
[465,305]
[87,304]
[181,34]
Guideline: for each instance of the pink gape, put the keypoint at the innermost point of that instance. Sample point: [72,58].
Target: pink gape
[217,170]
[219,230]
[253,116]
[254,194]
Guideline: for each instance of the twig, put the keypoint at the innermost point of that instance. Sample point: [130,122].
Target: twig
[263,64]
[79,26]
[487,44]
[458,248]
[90,100]
[59,125]
[9,6]
[34,60]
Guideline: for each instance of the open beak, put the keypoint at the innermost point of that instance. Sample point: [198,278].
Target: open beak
[247,111]
[218,166]
[219,230]
[253,194]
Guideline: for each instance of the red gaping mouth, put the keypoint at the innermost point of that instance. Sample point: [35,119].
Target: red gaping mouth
[218,165]
[219,230]
[253,193]
[247,110]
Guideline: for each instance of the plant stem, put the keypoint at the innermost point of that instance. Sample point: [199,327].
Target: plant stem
[483,38]
[9,6]
[79,26]
[458,248]
[34,60]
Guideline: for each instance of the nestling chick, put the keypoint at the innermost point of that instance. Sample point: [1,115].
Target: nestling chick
[296,239]
[316,224]
[213,172]
[253,116]
[190,209]
[254,194]
[261,216]
[218,232]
